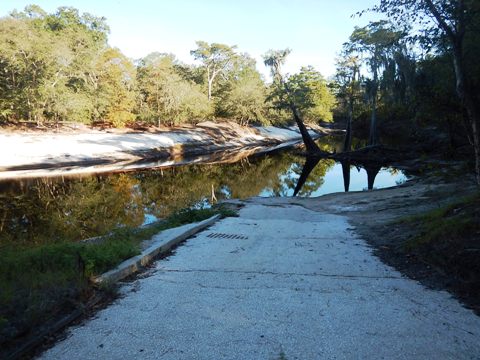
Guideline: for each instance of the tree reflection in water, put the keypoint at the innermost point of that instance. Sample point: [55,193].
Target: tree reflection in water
[45,210]
[314,164]
[36,211]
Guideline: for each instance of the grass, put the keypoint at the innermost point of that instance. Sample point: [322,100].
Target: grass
[448,239]
[37,283]
[446,224]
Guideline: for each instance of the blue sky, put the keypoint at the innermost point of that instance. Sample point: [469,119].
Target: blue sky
[313,29]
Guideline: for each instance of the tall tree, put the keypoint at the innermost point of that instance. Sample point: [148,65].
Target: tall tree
[165,95]
[216,59]
[48,63]
[311,94]
[376,40]
[453,23]
[242,94]
[348,79]
[116,88]
[26,60]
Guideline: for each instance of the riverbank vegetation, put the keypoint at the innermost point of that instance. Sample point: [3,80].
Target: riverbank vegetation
[415,76]
[415,81]
[40,283]
[59,67]
[446,242]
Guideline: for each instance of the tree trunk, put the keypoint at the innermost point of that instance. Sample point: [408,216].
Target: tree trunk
[210,89]
[373,121]
[347,145]
[474,116]
[476,147]
[158,110]
[464,90]
[307,139]
[210,78]
[467,98]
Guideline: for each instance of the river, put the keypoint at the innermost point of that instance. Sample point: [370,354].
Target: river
[43,210]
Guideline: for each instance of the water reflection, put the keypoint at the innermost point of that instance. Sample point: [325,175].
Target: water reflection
[372,172]
[55,209]
[385,177]
[346,174]
[43,210]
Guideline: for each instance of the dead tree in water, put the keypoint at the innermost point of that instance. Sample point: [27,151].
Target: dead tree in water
[307,139]
[275,60]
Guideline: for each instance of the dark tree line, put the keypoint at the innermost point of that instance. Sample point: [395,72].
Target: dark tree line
[419,67]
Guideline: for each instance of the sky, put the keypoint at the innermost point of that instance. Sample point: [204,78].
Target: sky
[314,29]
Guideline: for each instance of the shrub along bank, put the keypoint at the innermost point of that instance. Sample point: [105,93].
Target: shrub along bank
[44,282]
[448,241]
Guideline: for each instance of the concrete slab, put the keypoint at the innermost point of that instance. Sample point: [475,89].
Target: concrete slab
[293,283]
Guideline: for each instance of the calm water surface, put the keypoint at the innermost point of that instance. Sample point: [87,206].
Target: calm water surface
[56,209]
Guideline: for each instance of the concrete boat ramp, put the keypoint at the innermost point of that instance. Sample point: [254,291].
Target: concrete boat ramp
[278,282]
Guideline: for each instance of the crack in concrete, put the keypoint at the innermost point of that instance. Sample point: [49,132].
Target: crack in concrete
[245,272]
[248,288]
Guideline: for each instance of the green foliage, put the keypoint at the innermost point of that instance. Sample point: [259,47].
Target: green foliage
[115,89]
[446,224]
[46,64]
[245,102]
[435,92]
[167,97]
[375,39]
[311,95]
[59,68]
[308,91]
[275,59]
[216,59]
[441,30]
[377,42]
[39,281]
[242,93]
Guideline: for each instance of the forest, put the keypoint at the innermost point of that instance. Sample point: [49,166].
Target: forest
[412,76]
[59,67]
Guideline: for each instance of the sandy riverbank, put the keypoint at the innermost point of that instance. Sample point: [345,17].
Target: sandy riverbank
[44,154]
